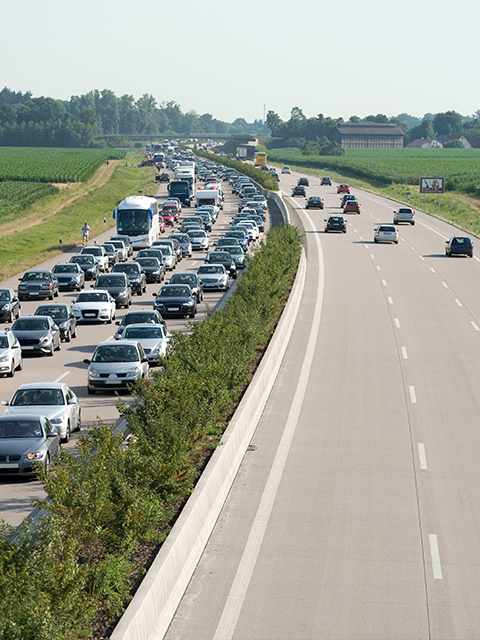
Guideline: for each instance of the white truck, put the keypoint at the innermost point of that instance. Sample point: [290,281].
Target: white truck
[213,197]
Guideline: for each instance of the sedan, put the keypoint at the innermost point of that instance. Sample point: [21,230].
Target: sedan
[142,316]
[118,287]
[326,181]
[193,282]
[299,190]
[87,264]
[127,242]
[199,240]
[63,317]
[11,359]
[286,170]
[135,275]
[38,283]
[303,181]
[70,275]
[37,334]
[152,268]
[94,306]
[315,202]
[385,233]
[222,257]
[235,250]
[27,444]
[98,252]
[175,301]
[9,305]
[335,223]
[184,242]
[213,277]
[153,338]
[343,188]
[116,365]
[55,400]
[459,245]
[120,249]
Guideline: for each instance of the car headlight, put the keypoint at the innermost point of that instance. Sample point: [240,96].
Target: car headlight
[76,278]
[35,456]
[45,339]
[104,310]
[92,269]
[93,373]
[4,358]
[190,303]
[134,371]
[57,420]
[6,307]
[63,326]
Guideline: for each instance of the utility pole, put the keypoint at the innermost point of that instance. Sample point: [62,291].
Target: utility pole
[264,109]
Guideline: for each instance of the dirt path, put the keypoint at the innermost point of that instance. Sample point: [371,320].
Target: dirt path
[101,177]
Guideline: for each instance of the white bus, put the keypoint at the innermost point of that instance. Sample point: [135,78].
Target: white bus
[137,217]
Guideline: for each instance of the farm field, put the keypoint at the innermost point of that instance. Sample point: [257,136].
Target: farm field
[52,165]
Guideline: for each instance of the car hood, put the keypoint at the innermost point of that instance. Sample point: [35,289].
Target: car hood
[91,305]
[38,409]
[172,300]
[22,446]
[113,367]
[34,335]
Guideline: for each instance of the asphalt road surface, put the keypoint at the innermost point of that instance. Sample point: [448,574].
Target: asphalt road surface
[67,365]
[357,516]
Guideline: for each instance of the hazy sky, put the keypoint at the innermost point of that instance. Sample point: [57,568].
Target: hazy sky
[230,59]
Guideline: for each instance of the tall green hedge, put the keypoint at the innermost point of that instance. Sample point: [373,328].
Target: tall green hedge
[104,498]
[262,177]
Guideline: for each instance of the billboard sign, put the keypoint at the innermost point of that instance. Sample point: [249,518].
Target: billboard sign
[432,185]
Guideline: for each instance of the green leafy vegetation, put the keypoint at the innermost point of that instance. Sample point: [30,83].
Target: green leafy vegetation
[53,165]
[263,178]
[106,498]
[16,197]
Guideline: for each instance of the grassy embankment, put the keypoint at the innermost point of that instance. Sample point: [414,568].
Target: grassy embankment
[33,237]
[393,173]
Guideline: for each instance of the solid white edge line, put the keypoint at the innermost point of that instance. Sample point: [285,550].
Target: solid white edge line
[432,270]
[435,555]
[238,590]
[421,455]
[64,375]
[413,396]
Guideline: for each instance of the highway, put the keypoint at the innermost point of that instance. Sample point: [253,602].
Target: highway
[356,513]
[67,365]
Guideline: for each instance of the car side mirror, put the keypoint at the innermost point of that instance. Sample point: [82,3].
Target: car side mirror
[52,434]
[5,403]
[86,361]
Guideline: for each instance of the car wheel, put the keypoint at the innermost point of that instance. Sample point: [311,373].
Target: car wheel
[110,320]
[375,240]
[74,334]
[20,364]
[412,222]
[396,241]
[91,392]
[11,373]
[59,345]
[51,352]
[50,295]
[48,464]
[68,336]
[67,434]
[79,422]
[56,294]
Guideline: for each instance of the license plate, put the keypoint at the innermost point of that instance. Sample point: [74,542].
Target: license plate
[34,293]
[27,348]
[89,315]
[9,466]
[173,309]
[115,381]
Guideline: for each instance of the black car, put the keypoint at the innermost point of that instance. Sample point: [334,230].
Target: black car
[38,283]
[70,275]
[326,181]
[346,198]
[225,258]
[459,245]
[315,202]
[303,181]
[142,316]
[87,264]
[299,190]
[335,223]
[164,177]
[63,317]
[236,251]
[153,269]
[9,305]
[37,334]
[118,286]
[133,271]
[193,282]
[175,301]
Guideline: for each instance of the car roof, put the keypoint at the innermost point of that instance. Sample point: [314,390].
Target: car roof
[43,385]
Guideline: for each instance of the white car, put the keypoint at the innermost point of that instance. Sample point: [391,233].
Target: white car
[10,353]
[213,276]
[199,240]
[385,233]
[261,200]
[286,170]
[251,226]
[404,214]
[100,255]
[94,306]
[54,400]
[116,365]
[154,339]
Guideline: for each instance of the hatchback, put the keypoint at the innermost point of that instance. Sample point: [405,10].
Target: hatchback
[459,245]
[343,188]
[175,301]
[335,223]
[385,233]
[63,317]
[70,275]
[9,305]
[315,202]
[116,365]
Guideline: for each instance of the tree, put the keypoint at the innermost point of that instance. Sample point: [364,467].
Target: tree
[274,123]
[423,130]
[354,119]
[447,123]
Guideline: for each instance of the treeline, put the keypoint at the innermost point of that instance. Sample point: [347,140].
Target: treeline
[312,135]
[43,121]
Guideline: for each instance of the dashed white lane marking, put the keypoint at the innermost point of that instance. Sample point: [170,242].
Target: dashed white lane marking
[413,396]
[390,300]
[378,268]
[404,353]
[458,302]
[432,270]
[445,284]
[435,555]
[64,375]
[475,326]
[372,256]
[397,323]
[421,455]
[422,258]
[384,282]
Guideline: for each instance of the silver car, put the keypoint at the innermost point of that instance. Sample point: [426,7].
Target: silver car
[386,233]
[115,365]
[153,338]
[213,276]
[27,442]
[55,400]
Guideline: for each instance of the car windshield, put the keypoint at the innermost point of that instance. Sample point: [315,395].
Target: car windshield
[197,234]
[64,268]
[20,429]
[173,291]
[182,278]
[137,333]
[3,342]
[4,296]
[83,259]
[52,311]
[27,397]
[210,268]
[31,324]
[92,296]
[34,276]
[116,353]
[93,251]
[148,262]
[140,318]
[111,281]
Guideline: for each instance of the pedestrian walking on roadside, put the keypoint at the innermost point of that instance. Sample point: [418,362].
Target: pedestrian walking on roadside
[86,230]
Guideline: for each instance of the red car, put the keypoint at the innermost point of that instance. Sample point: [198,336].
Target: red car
[169,210]
[242,204]
[352,206]
[161,224]
[343,188]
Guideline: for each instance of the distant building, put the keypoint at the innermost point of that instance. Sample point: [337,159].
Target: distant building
[424,143]
[467,143]
[368,135]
